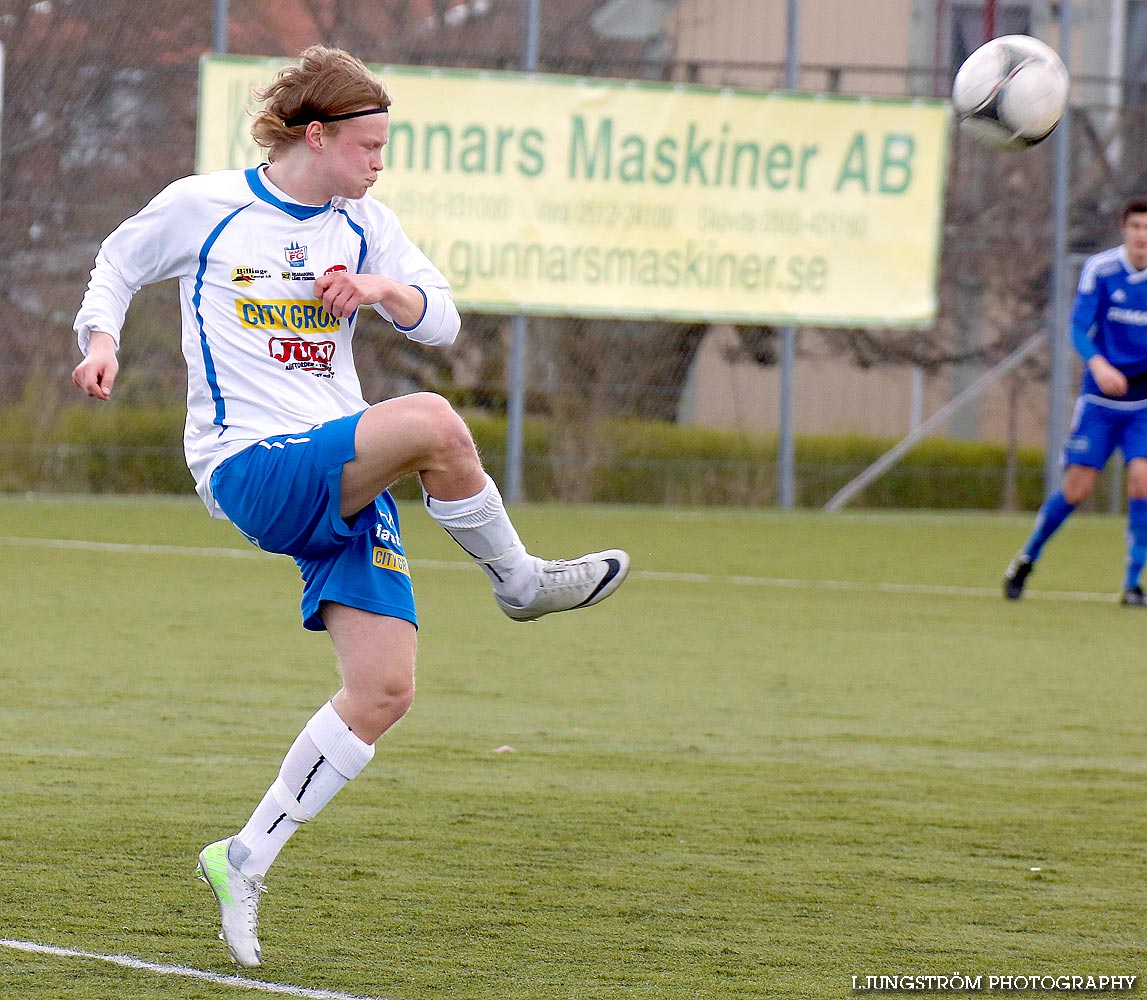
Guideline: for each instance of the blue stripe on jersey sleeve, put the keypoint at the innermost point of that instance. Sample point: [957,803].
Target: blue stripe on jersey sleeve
[361,246]
[425,305]
[361,236]
[196,300]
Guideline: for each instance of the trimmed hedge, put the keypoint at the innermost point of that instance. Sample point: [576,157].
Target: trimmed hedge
[659,463]
[98,449]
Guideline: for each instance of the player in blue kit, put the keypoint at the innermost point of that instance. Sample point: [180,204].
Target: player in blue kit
[273,264]
[1109,330]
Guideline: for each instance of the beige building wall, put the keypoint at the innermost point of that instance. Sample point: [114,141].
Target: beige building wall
[834,397]
[845,45]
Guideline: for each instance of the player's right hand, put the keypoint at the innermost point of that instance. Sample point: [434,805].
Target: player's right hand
[1111,381]
[96,374]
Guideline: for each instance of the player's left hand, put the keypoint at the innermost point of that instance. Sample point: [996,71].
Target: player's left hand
[342,292]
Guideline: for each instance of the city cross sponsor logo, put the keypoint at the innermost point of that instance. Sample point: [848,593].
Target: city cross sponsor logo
[1132,317]
[334,268]
[288,315]
[295,254]
[246,275]
[386,559]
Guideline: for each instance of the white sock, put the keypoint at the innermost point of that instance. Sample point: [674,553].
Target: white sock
[323,758]
[482,527]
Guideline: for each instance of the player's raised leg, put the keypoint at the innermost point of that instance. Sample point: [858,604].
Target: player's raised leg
[422,433]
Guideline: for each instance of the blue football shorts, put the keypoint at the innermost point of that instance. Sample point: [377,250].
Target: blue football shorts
[283,494]
[1097,430]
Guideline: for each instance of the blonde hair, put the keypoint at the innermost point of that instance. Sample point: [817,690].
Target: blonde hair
[324,82]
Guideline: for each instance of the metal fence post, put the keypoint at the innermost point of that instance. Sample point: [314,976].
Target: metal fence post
[519,327]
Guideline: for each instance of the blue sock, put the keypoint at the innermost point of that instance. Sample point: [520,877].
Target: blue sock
[1052,514]
[1136,542]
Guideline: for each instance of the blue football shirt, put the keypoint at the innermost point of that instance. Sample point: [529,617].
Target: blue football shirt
[1109,317]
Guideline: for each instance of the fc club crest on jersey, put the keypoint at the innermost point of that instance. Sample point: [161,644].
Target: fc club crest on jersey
[296,255]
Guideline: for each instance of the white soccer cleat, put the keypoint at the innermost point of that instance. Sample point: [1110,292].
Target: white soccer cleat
[238,898]
[564,585]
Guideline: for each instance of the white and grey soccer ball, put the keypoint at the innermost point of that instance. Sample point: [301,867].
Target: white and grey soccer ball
[1011,92]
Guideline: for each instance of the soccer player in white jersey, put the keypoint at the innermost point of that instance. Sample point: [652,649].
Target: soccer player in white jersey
[1109,330]
[273,264]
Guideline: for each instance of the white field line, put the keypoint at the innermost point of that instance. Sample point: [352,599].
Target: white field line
[928,589]
[127,962]
[133,549]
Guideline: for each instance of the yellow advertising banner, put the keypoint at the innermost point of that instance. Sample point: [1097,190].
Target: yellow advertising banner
[555,195]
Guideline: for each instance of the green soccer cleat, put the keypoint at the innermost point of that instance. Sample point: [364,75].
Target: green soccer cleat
[238,898]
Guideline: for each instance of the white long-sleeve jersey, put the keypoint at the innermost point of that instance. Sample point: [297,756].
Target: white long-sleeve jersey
[263,356]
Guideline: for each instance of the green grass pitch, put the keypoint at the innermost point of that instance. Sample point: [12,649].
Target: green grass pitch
[793,749]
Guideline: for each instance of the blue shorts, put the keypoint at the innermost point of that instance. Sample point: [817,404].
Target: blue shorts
[1096,431]
[284,493]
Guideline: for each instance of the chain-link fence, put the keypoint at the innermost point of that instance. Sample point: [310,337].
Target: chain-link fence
[99,114]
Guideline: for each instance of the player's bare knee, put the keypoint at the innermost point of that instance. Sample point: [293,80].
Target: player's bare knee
[375,715]
[392,699]
[1078,484]
[450,438]
[1137,479]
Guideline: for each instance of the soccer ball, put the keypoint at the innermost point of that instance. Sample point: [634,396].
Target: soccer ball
[1011,92]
